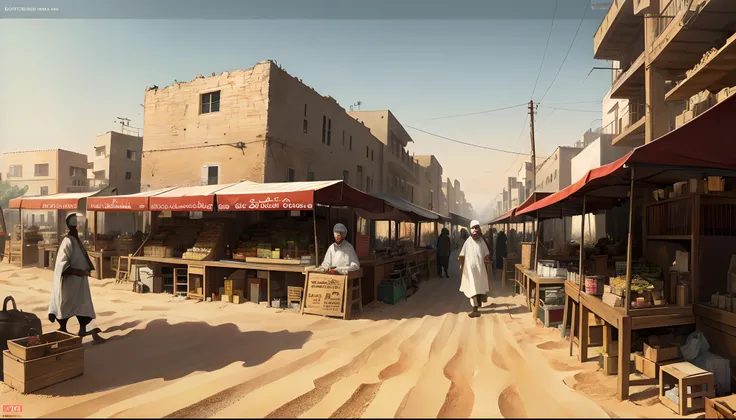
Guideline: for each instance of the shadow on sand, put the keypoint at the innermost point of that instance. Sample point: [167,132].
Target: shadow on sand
[172,351]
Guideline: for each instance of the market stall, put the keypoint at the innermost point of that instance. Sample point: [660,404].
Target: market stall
[40,225]
[686,209]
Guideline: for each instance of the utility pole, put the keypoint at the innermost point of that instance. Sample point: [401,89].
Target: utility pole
[123,122]
[534,153]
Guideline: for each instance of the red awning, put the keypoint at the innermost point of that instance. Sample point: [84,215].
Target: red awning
[65,201]
[510,215]
[280,196]
[200,198]
[130,202]
[704,146]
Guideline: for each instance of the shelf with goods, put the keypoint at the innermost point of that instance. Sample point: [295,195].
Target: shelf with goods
[280,241]
[172,238]
[209,243]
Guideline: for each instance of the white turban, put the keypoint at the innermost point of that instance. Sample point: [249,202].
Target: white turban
[340,228]
[474,223]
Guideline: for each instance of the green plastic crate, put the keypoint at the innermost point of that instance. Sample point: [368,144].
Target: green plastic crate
[389,293]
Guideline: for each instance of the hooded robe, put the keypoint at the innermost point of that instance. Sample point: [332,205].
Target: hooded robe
[475,275]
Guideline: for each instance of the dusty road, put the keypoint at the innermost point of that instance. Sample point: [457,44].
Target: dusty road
[421,358]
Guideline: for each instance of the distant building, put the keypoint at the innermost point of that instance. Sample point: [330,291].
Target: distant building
[46,171]
[430,182]
[117,162]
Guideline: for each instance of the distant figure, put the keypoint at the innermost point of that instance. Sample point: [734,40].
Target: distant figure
[70,293]
[444,249]
[463,236]
[501,249]
[474,258]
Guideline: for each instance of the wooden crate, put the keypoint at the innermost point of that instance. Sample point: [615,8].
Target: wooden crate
[32,375]
[609,364]
[720,408]
[53,343]
[550,315]
[686,375]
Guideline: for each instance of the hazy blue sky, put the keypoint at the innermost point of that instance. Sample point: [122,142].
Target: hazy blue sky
[64,81]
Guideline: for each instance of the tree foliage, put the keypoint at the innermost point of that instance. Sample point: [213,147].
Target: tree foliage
[9,192]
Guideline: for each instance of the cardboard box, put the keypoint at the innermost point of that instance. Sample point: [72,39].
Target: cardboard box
[721,407]
[613,349]
[609,364]
[661,353]
[682,261]
[716,184]
[238,299]
[645,366]
[225,298]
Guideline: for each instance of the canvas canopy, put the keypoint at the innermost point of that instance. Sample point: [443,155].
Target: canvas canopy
[64,201]
[199,198]
[131,202]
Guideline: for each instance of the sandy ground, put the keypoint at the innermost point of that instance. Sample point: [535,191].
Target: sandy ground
[421,358]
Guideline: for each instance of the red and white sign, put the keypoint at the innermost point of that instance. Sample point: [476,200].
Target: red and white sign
[12,409]
[186,203]
[50,204]
[289,201]
[118,203]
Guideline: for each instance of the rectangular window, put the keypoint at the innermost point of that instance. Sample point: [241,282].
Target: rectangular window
[77,172]
[360,177]
[310,176]
[343,138]
[346,176]
[367,152]
[100,151]
[128,175]
[15,171]
[371,155]
[41,169]
[305,110]
[210,175]
[329,131]
[44,190]
[210,102]
[324,129]
[305,126]
[351,142]
[131,154]
[290,175]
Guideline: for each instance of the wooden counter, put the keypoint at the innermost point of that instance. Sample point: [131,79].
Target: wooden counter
[719,328]
[374,271]
[527,277]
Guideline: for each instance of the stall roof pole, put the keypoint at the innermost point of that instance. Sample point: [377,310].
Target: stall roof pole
[536,240]
[581,273]
[316,250]
[629,251]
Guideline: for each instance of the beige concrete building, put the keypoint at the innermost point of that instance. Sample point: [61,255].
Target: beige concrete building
[555,172]
[430,183]
[656,47]
[46,171]
[260,124]
[400,172]
[117,162]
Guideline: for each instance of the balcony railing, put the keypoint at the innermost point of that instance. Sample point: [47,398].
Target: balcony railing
[634,112]
[669,13]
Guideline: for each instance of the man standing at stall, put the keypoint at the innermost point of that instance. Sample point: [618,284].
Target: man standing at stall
[444,249]
[474,257]
[70,293]
[340,257]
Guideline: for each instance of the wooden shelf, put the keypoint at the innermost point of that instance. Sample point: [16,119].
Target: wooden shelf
[716,73]
[669,237]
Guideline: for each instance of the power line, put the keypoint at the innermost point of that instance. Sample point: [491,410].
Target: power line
[574,103]
[570,110]
[585,13]
[477,113]
[544,56]
[466,143]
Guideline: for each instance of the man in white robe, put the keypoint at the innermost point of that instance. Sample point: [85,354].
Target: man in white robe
[70,293]
[340,257]
[474,258]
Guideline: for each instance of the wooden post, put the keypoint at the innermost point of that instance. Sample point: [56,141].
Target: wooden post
[316,249]
[624,358]
[536,245]
[23,234]
[627,300]
[582,242]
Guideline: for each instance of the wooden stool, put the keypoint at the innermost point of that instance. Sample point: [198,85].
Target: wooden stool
[685,375]
[122,274]
[181,280]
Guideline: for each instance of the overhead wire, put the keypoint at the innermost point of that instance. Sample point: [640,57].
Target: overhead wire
[466,143]
[477,113]
[577,31]
[546,47]
[569,109]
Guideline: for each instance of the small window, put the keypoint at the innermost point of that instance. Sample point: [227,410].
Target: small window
[44,190]
[305,126]
[343,138]
[351,143]
[555,174]
[41,169]
[371,154]
[213,175]
[128,175]
[290,175]
[305,111]
[310,176]
[15,171]
[329,131]
[131,154]
[346,176]
[210,102]
[367,152]
[77,172]
[100,151]
[324,129]
[360,177]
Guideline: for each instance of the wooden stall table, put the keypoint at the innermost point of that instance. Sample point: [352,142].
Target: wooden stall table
[332,294]
[101,260]
[509,264]
[375,271]
[47,255]
[530,277]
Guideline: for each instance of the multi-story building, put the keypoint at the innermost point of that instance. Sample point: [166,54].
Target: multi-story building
[117,163]
[400,173]
[430,182]
[259,124]
[554,173]
[46,171]
[657,48]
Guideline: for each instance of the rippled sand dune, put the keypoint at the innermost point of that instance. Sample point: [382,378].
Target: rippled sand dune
[421,358]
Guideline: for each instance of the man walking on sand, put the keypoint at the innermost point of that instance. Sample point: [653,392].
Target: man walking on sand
[474,258]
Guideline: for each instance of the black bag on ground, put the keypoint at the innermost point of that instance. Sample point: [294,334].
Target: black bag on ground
[15,324]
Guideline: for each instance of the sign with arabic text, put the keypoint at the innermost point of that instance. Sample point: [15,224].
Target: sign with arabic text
[186,203]
[324,294]
[118,203]
[290,201]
